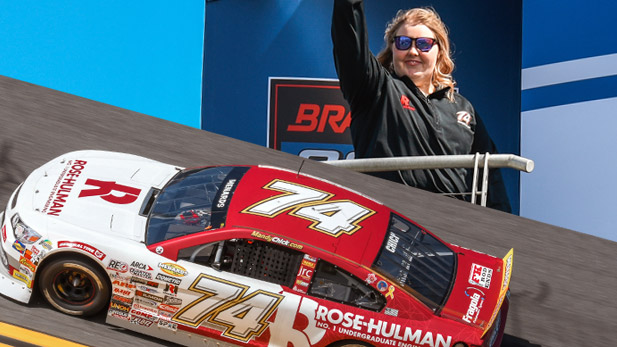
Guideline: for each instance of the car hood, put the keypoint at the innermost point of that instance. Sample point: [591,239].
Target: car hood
[481,286]
[96,191]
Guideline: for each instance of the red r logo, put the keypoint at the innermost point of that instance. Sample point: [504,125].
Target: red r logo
[106,187]
[406,103]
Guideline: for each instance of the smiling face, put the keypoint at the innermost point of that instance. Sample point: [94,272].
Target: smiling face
[417,65]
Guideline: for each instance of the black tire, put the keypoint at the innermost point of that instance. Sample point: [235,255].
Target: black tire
[75,286]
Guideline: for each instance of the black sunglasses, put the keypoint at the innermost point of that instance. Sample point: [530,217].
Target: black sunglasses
[423,44]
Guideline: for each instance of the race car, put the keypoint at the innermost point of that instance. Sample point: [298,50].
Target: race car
[241,256]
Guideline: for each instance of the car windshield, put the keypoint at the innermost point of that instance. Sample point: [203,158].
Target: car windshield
[193,201]
[417,261]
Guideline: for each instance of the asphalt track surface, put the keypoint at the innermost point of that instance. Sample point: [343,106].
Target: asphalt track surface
[563,285]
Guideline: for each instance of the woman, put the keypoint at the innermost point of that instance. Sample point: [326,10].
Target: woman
[403,101]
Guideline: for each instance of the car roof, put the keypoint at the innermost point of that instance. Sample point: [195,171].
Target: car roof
[310,211]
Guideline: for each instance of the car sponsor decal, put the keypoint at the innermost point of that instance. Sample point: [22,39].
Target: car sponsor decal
[123,285]
[22,277]
[104,190]
[305,274]
[331,217]
[149,296]
[19,247]
[227,305]
[392,243]
[27,263]
[382,286]
[276,239]
[123,292]
[141,270]
[153,317]
[26,271]
[122,299]
[168,279]
[147,289]
[380,332]
[119,306]
[221,202]
[140,300]
[144,282]
[223,197]
[46,244]
[172,300]
[63,187]
[480,276]
[391,312]
[476,300]
[145,308]
[163,323]
[118,266]
[170,289]
[168,308]
[140,321]
[118,314]
[507,270]
[33,255]
[506,275]
[173,269]
[370,278]
[82,246]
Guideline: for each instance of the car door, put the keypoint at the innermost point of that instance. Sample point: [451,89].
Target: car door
[235,289]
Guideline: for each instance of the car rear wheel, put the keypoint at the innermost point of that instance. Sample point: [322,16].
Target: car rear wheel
[75,286]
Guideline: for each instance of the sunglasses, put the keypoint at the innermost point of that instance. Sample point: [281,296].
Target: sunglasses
[423,44]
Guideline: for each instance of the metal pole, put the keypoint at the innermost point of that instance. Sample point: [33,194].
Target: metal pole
[474,184]
[434,162]
[485,180]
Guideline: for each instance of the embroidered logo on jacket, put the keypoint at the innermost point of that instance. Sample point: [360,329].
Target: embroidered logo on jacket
[406,103]
[464,118]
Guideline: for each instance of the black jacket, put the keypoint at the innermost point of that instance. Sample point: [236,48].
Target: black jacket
[391,117]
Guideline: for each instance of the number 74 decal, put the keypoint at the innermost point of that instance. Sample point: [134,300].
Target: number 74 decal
[332,217]
[224,304]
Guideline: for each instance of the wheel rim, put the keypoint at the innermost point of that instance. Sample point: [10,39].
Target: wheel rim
[74,287]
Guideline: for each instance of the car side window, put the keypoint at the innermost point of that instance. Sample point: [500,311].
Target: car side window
[251,258]
[333,283]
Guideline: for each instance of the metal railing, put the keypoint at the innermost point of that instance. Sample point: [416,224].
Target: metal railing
[476,161]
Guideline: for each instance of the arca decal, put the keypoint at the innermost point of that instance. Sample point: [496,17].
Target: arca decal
[224,304]
[331,217]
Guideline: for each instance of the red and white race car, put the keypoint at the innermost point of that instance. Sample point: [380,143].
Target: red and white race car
[246,255]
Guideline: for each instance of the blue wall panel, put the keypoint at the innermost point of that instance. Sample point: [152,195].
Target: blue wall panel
[144,56]
[569,98]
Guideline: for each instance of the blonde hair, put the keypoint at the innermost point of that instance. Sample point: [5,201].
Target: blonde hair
[442,75]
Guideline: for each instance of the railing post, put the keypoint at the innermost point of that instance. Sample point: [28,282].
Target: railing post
[441,162]
[485,180]
[474,184]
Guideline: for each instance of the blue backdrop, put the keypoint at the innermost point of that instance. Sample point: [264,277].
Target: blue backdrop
[248,41]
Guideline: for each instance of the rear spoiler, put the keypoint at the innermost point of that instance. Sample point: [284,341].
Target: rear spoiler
[506,274]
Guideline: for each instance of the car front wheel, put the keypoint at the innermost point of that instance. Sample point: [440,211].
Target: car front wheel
[74,286]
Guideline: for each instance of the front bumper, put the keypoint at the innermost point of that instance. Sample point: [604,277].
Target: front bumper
[10,286]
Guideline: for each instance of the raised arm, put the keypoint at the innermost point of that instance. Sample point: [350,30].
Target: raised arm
[359,72]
